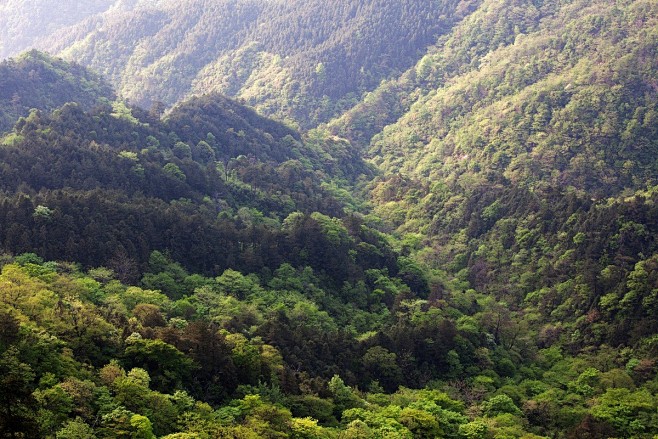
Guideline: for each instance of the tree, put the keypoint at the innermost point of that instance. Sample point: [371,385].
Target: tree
[344,397]
[306,428]
[9,329]
[382,365]
[421,423]
[473,430]
[17,404]
[500,404]
[76,429]
[236,284]
[631,413]
[173,171]
[182,150]
[56,405]
[142,427]
[167,366]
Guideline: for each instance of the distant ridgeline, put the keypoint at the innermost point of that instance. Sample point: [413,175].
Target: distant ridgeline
[304,60]
[23,22]
[36,80]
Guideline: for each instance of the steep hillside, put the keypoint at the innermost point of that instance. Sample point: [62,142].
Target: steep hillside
[571,104]
[491,26]
[304,61]
[210,179]
[516,148]
[23,22]
[36,80]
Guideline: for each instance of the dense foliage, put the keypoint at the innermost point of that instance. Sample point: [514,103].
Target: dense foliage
[520,161]
[35,80]
[276,355]
[23,22]
[305,61]
[96,186]
[492,272]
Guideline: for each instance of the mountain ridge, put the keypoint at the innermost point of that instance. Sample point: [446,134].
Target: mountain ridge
[307,46]
[23,23]
[36,80]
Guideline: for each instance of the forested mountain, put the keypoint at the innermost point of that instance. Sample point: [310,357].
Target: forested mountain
[23,22]
[466,250]
[533,131]
[36,80]
[148,184]
[304,61]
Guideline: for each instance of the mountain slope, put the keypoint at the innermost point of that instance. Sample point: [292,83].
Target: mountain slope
[521,152]
[199,184]
[23,22]
[303,61]
[36,80]
[563,101]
